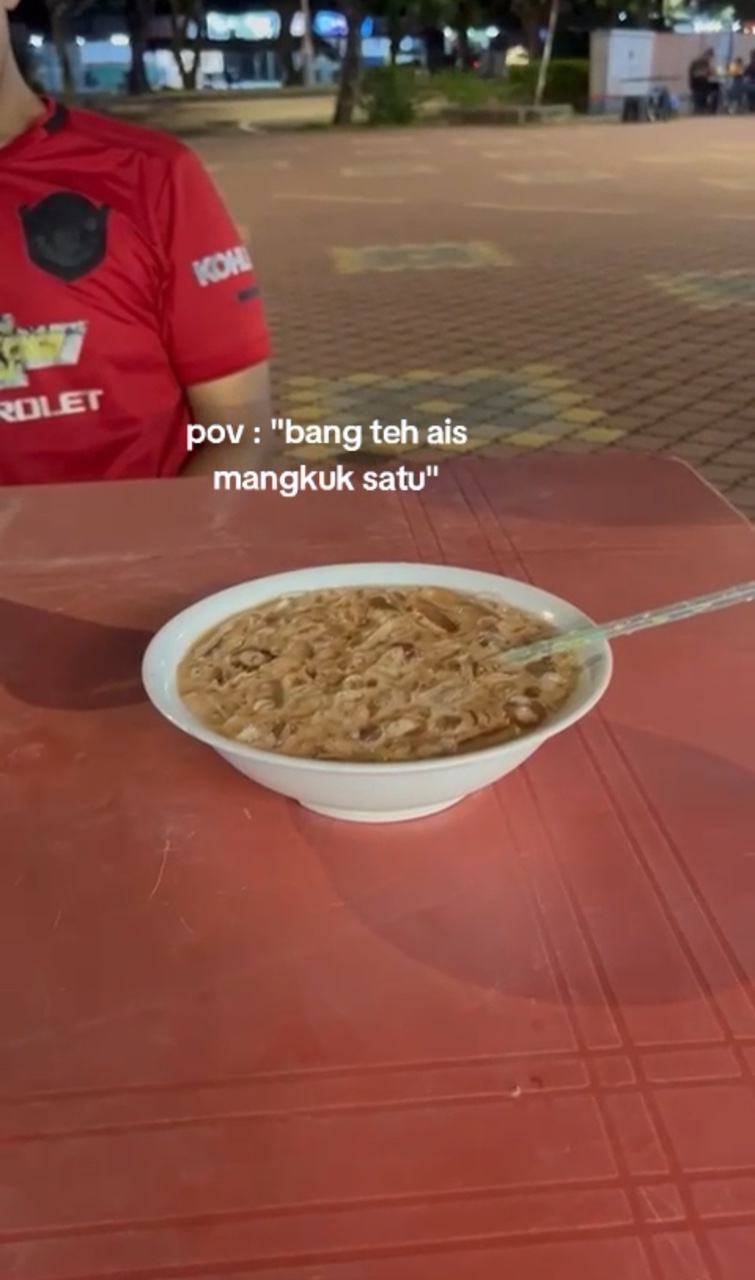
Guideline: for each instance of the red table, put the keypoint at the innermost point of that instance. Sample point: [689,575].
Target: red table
[512,1042]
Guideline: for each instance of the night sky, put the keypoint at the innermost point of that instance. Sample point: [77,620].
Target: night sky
[31,11]
[34,12]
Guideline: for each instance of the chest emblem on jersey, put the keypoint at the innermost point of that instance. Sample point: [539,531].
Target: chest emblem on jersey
[65,234]
[45,346]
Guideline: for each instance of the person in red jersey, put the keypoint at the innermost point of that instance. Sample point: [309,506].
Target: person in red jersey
[128,306]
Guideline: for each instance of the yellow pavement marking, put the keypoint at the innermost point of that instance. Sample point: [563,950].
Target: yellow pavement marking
[558,415]
[303,394]
[496,155]
[383,149]
[600,435]
[307,413]
[554,177]
[581,415]
[339,199]
[383,450]
[549,154]
[389,171]
[541,208]
[554,384]
[567,398]
[483,139]
[470,376]
[312,453]
[670,159]
[701,293]
[418,257]
[529,439]
[469,445]
[731,184]
[538,370]
[439,406]
[709,154]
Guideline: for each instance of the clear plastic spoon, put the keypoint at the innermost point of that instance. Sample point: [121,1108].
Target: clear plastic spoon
[679,612]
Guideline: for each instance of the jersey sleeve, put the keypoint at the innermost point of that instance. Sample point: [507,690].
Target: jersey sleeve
[213,318]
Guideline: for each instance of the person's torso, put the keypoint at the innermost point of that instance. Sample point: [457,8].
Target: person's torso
[86,386]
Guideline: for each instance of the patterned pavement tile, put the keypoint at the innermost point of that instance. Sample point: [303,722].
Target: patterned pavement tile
[710,290]
[518,407]
[550,329]
[419,257]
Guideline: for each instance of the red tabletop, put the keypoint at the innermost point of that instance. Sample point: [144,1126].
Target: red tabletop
[515,1041]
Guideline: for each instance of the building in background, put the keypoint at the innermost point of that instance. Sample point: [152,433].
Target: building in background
[241,51]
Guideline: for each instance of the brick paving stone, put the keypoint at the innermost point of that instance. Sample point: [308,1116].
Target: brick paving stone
[740,458]
[557,324]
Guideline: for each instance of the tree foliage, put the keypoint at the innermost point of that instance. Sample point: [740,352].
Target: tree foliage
[427,18]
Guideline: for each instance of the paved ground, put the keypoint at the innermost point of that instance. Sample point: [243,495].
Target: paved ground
[575,288]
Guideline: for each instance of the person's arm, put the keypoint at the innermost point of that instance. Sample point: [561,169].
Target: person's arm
[213,321]
[242,398]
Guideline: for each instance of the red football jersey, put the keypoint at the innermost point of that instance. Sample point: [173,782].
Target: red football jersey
[122,282]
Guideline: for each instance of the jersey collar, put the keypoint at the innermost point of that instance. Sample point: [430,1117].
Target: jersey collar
[50,120]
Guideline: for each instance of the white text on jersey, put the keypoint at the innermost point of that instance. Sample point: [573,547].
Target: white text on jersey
[220,266]
[40,408]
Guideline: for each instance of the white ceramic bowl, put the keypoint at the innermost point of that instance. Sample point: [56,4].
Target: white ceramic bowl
[369,792]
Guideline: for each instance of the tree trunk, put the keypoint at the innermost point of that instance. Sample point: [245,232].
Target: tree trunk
[394,32]
[190,68]
[138,15]
[286,44]
[348,89]
[187,49]
[532,38]
[529,13]
[60,33]
[463,23]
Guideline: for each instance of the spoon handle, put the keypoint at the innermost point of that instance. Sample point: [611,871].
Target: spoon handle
[744,593]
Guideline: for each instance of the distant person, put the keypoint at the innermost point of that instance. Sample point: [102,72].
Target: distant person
[736,88]
[703,83]
[128,306]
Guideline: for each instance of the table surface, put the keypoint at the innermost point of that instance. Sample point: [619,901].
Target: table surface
[516,1039]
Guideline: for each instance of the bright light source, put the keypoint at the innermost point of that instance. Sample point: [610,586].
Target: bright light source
[491,32]
[36,42]
[121,40]
[80,41]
